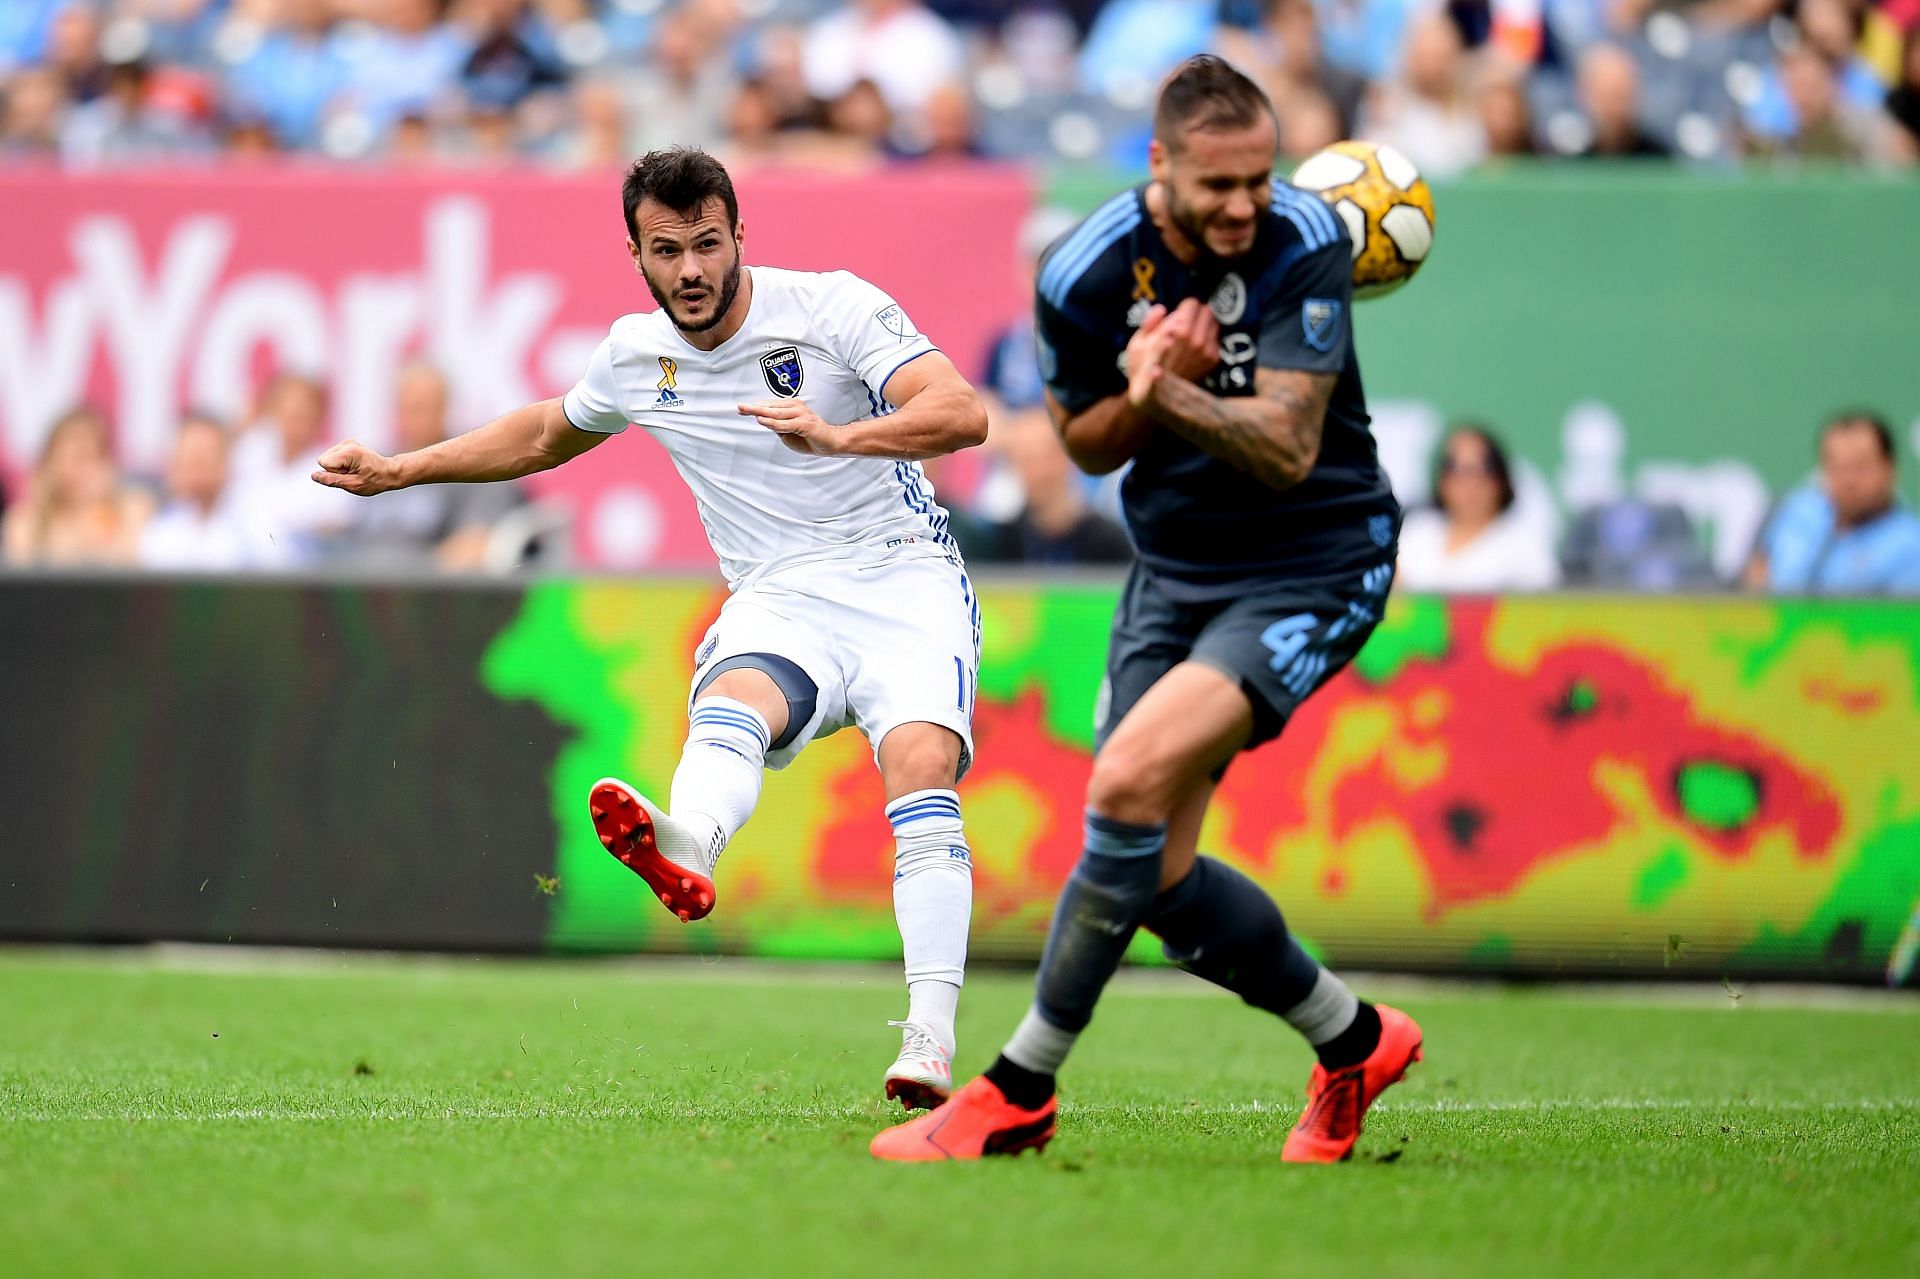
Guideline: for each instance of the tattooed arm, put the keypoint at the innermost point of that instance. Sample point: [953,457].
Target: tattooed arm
[1272,435]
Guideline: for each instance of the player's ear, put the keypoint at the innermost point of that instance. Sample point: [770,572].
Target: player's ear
[740,241]
[633,251]
[1158,161]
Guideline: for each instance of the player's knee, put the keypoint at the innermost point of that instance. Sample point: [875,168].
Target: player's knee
[920,757]
[1132,782]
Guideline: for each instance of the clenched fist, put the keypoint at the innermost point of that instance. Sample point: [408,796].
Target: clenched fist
[357,469]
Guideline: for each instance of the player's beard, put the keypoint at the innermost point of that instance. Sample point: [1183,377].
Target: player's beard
[1193,226]
[729,290]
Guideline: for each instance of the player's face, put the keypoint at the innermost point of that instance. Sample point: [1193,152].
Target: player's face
[1218,182]
[691,265]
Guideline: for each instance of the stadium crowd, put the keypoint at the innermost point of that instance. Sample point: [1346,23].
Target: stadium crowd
[1455,83]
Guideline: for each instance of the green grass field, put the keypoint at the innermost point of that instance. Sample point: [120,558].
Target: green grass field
[475,1118]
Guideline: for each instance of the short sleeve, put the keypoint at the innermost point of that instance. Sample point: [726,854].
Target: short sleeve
[594,402]
[1078,368]
[869,330]
[1304,320]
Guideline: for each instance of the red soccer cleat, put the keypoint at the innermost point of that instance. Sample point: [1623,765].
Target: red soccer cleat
[647,842]
[1337,1100]
[978,1121]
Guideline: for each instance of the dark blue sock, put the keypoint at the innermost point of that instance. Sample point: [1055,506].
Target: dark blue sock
[1218,924]
[1109,893]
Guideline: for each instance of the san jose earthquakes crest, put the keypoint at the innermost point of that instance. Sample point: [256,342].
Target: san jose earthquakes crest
[783,371]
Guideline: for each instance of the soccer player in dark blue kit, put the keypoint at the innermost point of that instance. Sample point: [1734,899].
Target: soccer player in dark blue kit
[1199,325]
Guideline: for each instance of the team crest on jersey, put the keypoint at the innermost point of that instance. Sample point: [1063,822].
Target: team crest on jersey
[669,380]
[895,321]
[1230,299]
[1320,322]
[783,372]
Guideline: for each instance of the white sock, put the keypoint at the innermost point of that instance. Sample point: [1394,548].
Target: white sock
[933,1003]
[1039,1045]
[932,902]
[717,784]
[1326,1012]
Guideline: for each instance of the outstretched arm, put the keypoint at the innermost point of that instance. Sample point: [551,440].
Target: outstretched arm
[536,437]
[938,412]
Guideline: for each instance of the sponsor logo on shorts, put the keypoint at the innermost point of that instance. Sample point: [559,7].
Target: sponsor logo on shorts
[706,650]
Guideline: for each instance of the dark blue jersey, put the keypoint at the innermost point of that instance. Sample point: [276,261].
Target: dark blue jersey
[1204,525]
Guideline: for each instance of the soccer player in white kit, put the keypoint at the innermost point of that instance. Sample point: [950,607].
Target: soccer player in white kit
[797,407]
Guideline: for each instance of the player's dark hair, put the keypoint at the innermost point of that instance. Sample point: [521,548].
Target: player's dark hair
[1854,418]
[1498,468]
[682,178]
[1206,93]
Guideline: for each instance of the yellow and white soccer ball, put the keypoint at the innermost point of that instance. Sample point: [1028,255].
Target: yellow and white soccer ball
[1386,205]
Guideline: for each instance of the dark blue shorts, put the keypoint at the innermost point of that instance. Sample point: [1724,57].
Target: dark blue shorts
[1280,640]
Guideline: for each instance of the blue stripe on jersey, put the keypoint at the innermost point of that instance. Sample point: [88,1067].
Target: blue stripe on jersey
[1095,236]
[1309,215]
[1315,209]
[1109,213]
[919,499]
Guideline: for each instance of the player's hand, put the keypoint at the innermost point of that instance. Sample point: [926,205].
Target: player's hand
[799,427]
[1193,340]
[357,469]
[1146,355]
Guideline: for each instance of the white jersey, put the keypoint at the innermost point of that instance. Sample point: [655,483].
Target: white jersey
[830,339]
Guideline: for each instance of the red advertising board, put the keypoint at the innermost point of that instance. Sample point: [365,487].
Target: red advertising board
[149,292]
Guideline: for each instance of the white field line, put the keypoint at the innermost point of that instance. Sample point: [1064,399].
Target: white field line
[492,1114]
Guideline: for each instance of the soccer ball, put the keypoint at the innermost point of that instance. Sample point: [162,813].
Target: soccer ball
[1384,202]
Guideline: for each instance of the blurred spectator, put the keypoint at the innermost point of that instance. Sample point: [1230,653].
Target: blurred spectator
[128,124]
[1134,43]
[1473,542]
[196,530]
[1505,118]
[1832,29]
[1367,36]
[680,95]
[1309,122]
[73,51]
[1285,54]
[33,104]
[900,45]
[1608,84]
[76,511]
[286,77]
[1825,125]
[504,67]
[946,129]
[1629,544]
[1428,114]
[274,496]
[405,64]
[1903,100]
[23,31]
[1850,534]
[1055,525]
[438,525]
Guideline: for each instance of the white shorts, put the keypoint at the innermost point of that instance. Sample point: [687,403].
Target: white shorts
[888,640]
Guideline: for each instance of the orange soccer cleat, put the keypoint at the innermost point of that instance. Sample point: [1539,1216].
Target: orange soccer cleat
[978,1121]
[1337,1100]
[653,846]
